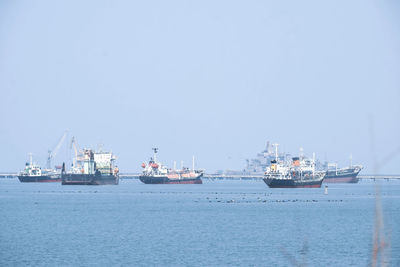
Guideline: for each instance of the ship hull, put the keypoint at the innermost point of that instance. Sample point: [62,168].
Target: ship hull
[332,177]
[89,179]
[147,179]
[39,179]
[342,179]
[281,183]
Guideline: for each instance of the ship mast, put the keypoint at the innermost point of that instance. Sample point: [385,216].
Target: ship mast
[351,160]
[276,151]
[155,149]
[193,163]
[301,153]
[313,164]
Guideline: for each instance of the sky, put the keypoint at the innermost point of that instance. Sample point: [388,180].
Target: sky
[214,79]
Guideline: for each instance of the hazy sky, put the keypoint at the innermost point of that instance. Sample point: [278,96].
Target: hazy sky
[214,79]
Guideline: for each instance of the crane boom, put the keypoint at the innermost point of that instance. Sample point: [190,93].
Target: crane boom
[53,153]
[77,151]
[73,144]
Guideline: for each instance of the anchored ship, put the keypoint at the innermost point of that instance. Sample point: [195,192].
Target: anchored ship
[342,175]
[33,173]
[91,168]
[299,173]
[156,173]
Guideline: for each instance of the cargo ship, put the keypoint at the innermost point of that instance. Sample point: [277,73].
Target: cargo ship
[91,168]
[343,175]
[33,173]
[299,173]
[156,173]
[258,165]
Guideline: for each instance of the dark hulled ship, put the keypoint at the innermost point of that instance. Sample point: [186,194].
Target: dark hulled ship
[300,173]
[93,168]
[156,173]
[33,173]
[343,175]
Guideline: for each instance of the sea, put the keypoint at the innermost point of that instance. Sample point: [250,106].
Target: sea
[218,223]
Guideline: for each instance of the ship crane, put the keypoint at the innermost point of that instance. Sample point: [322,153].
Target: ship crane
[77,151]
[53,153]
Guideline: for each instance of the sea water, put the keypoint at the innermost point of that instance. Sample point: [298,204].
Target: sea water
[218,223]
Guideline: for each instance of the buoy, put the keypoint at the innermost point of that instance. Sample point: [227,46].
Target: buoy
[326,190]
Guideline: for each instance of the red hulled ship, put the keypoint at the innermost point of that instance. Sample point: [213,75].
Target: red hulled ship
[156,173]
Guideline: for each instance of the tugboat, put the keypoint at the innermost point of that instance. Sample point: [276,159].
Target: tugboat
[300,173]
[33,173]
[156,173]
[97,169]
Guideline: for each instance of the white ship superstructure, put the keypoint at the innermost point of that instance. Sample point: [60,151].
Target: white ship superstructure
[300,172]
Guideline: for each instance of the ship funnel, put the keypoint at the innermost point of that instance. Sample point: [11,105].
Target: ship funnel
[296,161]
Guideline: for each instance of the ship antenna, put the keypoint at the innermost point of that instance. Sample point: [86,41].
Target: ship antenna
[301,153]
[155,149]
[313,169]
[351,160]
